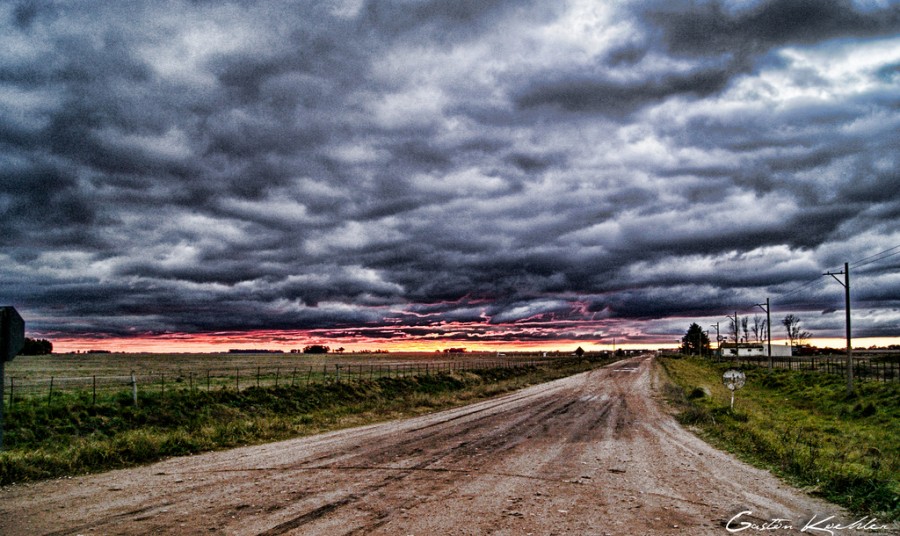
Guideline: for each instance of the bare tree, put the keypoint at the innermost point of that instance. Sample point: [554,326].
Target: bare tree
[734,330]
[744,327]
[759,328]
[796,336]
[802,337]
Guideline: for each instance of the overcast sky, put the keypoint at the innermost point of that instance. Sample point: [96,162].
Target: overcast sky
[464,172]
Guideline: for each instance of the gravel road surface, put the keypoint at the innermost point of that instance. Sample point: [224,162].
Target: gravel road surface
[594,453]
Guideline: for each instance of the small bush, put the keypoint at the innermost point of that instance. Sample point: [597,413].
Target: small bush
[864,410]
[694,415]
[698,393]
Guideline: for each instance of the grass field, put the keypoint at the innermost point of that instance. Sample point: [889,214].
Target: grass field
[803,426]
[74,434]
[118,364]
[49,375]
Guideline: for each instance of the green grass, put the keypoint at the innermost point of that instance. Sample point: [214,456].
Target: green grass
[802,426]
[74,435]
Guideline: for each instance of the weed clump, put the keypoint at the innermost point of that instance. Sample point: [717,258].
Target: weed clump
[698,393]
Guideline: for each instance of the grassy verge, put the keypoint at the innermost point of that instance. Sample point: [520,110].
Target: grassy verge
[73,435]
[802,426]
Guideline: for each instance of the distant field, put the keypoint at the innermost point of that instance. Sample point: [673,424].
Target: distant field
[117,364]
[98,373]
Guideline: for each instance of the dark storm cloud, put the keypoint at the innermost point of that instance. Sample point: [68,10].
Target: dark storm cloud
[45,205]
[722,42]
[717,28]
[446,22]
[474,170]
[574,94]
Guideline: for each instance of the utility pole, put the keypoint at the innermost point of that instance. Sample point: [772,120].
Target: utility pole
[846,285]
[737,335]
[768,328]
[718,339]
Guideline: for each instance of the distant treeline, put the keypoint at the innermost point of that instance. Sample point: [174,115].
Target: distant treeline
[36,347]
[312,349]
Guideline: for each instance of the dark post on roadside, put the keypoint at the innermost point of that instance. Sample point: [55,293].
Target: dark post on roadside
[846,284]
[12,339]
[768,328]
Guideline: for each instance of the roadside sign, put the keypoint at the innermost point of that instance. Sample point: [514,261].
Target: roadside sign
[733,380]
[12,333]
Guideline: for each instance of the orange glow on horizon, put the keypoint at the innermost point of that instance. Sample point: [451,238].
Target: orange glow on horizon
[287,341]
[202,344]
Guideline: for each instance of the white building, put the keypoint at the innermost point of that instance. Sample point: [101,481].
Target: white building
[755,350]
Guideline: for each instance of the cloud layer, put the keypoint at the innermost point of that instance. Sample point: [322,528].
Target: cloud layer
[483,171]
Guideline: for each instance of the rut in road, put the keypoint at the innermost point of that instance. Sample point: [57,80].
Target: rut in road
[589,454]
[421,452]
[437,448]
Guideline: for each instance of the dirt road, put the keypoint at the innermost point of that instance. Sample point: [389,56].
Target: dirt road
[589,454]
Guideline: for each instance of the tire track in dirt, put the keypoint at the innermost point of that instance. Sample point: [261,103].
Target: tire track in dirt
[496,443]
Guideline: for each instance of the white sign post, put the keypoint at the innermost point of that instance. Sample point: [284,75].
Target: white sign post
[733,380]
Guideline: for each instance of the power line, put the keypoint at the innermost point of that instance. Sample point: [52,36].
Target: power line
[801,287]
[865,261]
[785,294]
[876,260]
[856,263]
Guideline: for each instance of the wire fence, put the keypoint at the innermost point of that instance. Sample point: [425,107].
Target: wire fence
[237,378]
[883,369]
